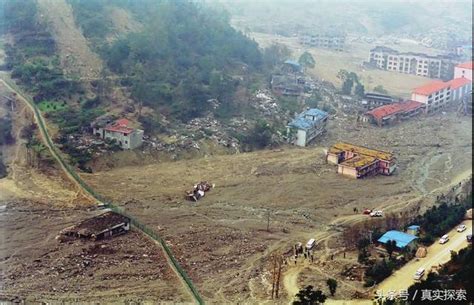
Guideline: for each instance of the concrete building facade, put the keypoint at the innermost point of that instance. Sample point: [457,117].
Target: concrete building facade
[460,87]
[307,126]
[435,95]
[440,66]
[333,41]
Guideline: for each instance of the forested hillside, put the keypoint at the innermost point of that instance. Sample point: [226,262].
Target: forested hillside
[183,55]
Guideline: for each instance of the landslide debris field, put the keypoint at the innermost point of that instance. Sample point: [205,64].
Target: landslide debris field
[222,240]
[36,267]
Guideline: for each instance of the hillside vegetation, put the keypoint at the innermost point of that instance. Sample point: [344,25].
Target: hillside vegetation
[184,55]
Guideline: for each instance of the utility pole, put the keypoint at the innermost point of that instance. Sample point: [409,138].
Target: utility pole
[268,220]
[273,276]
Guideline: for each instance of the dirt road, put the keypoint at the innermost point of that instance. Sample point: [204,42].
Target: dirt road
[437,254]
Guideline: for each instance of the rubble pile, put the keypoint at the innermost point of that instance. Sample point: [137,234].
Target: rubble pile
[85,264]
[199,190]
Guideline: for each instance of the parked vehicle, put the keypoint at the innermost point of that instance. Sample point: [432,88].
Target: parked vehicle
[376,214]
[419,274]
[461,228]
[444,239]
[310,244]
[469,238]
[367,212]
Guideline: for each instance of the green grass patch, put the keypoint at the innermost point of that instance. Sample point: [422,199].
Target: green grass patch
[50,106]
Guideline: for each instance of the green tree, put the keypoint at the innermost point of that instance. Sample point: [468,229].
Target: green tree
[275,54]
[306,60]
[380,89]
[332,285]
[347,86]
[359,90]
[390,246]
[308,296]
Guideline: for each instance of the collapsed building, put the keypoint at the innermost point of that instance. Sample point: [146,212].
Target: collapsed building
[436,95]
[287,85]
[119,131]
[372,100]
[359,162]
[394,113]
[102,226]
[440,66]
[307,126]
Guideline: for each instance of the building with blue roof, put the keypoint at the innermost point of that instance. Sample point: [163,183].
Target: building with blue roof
[293,63]
[413,229]
[307,126]
[402,240]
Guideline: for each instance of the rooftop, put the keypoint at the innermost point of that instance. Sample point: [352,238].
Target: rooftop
[386,110]
[301,122]
[292,63]
[431,87]
[402,239]
[121,126]
[359,161]
[100,223]
[465,65]
[413,227]
[458,82]
[379,154]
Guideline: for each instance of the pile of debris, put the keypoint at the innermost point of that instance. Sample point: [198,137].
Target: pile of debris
[198,191]
[105,225]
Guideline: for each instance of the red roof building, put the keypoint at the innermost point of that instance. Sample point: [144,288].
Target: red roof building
[431,88]
[458,82]
[120,126]
[395,112]
[465,65]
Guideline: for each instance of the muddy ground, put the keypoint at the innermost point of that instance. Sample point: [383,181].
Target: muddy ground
[222,239]
[37,267]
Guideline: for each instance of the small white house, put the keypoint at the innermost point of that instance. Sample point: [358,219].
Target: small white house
[126,137]
[307,126]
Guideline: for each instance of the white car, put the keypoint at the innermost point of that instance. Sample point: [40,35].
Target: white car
[376,214]
[419,274]
[444,239]
[461,228]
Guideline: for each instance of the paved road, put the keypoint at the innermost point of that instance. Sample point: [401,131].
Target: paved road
[437,254]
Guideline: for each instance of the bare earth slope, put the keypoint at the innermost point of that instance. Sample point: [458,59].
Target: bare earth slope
[76,57]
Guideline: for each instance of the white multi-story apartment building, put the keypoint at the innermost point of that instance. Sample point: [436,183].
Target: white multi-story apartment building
[420,64]
[463,70]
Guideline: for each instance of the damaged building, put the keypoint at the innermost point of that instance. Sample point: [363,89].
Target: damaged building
[102,226]
[359,162]
[394,113]
[287,85]
[307,126]
[436,95]
[372,100]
